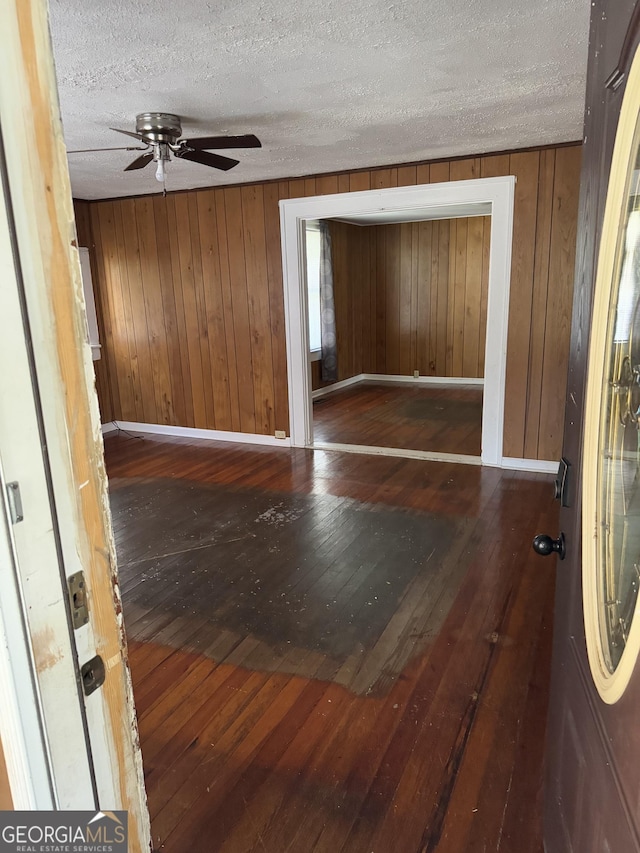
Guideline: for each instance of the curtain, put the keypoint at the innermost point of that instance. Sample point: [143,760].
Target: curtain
[329,345]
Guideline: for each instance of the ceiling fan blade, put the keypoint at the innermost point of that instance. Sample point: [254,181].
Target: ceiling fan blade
[90,150]
[219,142]
[140,162]
[128,133]
[207,159]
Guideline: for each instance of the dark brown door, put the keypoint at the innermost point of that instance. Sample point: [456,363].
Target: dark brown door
[593,757]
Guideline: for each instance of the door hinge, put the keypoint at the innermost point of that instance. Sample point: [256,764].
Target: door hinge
[15,502]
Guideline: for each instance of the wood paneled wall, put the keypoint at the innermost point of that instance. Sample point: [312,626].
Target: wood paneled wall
[412,296]
[191,303]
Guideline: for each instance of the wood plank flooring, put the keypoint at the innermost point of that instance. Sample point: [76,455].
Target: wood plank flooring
[334,652]
[437,419]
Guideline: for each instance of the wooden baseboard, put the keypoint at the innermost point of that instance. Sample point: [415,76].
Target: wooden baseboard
[336,386]
[446,381]
[191,432]
[538,466]
[388,379]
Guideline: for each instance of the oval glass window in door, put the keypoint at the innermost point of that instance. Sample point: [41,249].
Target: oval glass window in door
[611,463]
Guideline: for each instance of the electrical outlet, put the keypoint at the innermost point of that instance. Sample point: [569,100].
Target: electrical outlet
[280,433]
[416,374]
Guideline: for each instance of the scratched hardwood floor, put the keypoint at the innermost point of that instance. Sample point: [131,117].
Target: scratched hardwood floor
[433,418]
[334,652]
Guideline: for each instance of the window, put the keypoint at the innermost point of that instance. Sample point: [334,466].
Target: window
[313,285]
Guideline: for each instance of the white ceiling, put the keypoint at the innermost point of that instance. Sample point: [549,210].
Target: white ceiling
[327,86]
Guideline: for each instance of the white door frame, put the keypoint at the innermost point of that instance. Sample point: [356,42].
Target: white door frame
[64,748]
[38,678]
[499,192]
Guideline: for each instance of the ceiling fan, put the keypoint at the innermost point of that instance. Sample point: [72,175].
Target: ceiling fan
[160,134]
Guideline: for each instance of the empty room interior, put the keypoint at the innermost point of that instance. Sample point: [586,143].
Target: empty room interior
[410,304]
[329,649]
[329,285]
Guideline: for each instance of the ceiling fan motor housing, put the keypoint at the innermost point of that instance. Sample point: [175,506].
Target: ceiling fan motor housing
[159,127]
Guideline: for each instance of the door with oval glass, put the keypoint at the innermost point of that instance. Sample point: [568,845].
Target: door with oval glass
[593,760]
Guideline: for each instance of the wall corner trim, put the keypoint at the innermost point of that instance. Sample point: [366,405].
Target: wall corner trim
[192,432]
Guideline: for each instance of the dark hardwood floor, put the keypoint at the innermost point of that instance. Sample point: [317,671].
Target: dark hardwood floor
[334,652]
[438,419]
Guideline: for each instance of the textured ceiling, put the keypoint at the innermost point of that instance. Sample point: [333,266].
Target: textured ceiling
[327,86]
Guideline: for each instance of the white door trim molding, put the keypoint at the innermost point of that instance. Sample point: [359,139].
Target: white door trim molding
[499,192]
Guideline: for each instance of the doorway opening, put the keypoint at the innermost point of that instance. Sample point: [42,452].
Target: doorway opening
[488,197]
[404,317]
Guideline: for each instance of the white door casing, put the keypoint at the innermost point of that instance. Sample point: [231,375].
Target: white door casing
[499,192]
[70,750]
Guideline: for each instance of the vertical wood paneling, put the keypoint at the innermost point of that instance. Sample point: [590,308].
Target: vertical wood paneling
[259,307]
[426,303]
[439,173]
[325,185]
[227,310]
[484,299]
[181,320]
[540,294]
[559,301]
[459,296]
[392,298]
[383,178]
[130,243]
[525,167]
[398,282]
[173,339]
[381,307]
[240,306]
[474,331]
[126,367]
[440,257]
[407,176]
[296,188]
[272,195]
[154,311]
[187,284]
[405,300]
[191,309]
[215,319]
[199,285]
[359,181]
